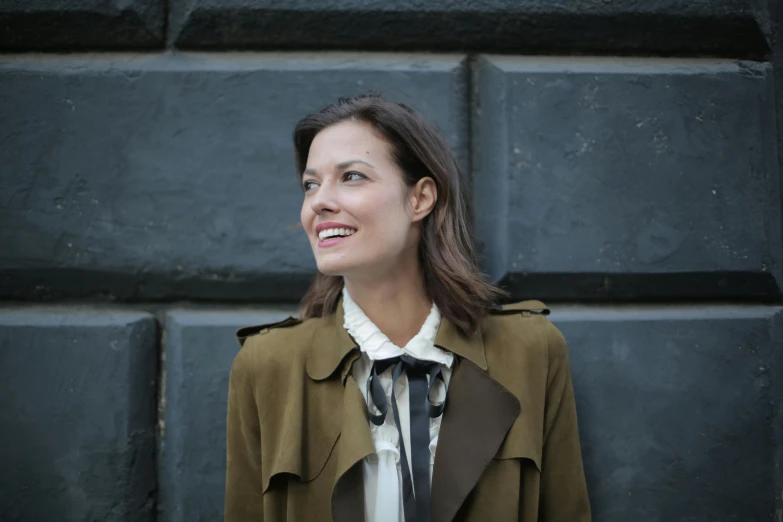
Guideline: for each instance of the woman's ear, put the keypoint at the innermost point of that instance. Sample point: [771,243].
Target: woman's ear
[423,196]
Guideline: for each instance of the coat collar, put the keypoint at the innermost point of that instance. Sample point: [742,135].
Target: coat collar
[471,348]
[331,345]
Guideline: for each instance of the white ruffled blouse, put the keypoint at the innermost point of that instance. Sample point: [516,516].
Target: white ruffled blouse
[382,471]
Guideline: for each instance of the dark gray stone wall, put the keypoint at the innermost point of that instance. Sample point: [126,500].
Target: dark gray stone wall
[78,414]
[624,159]
[619,178]
[54,25]
[727,27]
[675,407]
[776,14]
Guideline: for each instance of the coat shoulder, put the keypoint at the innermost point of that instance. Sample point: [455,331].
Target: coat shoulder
[249,331]
[274,347]
[528,320]
[517,347]
[517,319]
[273,362]
[525,308]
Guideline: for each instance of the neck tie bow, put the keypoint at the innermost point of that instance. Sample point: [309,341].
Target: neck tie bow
[416,501]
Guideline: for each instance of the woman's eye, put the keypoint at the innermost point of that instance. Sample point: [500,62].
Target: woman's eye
[353,176]
[307,185]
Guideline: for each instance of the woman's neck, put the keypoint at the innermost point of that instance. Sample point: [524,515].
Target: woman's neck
[397,305]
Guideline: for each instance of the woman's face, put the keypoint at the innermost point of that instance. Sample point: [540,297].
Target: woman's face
[356,209]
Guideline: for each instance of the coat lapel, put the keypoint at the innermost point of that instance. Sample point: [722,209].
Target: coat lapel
[477,418]
[354,444]
[333,351]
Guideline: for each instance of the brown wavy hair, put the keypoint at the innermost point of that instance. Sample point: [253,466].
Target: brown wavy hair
[447,251]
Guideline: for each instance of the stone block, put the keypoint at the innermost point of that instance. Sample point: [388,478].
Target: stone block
[676,409]
[78,414]
[54,25]
[156,177]
[776,15]
[716,27]
[199,348]
[627,178]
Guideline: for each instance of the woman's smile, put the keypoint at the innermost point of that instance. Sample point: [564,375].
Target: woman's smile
[330,234]
[331,241]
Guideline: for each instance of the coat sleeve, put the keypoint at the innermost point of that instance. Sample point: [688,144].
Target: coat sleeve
[563,493]
[244,486]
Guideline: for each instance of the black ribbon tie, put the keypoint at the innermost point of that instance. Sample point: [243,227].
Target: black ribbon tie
[416,502]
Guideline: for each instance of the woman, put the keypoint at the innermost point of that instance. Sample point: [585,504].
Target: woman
[405,393]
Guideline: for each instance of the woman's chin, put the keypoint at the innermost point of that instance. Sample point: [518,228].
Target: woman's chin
[332,269]
[341,269]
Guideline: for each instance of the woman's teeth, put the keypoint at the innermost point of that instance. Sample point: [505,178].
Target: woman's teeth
[335,232]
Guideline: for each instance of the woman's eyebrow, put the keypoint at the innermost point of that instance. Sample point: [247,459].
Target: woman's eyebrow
[341,166]
[346,164]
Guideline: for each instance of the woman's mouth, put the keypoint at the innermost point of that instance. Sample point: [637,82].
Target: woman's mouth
[333,236]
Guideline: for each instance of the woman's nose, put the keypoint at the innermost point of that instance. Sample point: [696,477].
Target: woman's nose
[324,199]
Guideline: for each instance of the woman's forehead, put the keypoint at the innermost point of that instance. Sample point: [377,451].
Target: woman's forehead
[348,140]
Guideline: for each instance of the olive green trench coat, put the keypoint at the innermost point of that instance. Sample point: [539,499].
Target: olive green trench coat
[508,448]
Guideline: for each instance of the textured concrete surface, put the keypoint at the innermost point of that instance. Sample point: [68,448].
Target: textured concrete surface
[777,57]
[627,178]
[675,408]
[77,414]
[724,27]
[190,188]
[199,349]
[81,24]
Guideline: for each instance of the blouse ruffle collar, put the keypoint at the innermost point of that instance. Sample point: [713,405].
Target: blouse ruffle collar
[377,345]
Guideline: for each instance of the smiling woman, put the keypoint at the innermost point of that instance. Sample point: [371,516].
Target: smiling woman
[380,162]
[398,315]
